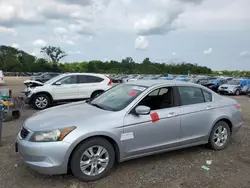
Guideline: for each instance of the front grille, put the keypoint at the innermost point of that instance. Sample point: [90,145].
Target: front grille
[224,87]
[24,132]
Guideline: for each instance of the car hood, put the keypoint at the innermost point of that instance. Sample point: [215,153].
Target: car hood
[71,114]
[32,83]
[229,86]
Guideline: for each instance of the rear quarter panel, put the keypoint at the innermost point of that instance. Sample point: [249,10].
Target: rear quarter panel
[225,109]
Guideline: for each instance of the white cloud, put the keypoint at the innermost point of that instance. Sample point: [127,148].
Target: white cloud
[217,15]
[7,30]
[164,18]
[15,45]
[39,42]
[75,52]
[141,43]
[7,11]
[18,13]
[60,30]
[155,24]
[79,2]
[70,42]
[174,54]
[208,51]
[245,53]
[82,28]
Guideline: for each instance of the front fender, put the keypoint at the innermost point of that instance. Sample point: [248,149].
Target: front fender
[94,134]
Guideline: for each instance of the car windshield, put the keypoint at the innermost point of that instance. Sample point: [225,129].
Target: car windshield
[118,97]
[213,80]
[233,82]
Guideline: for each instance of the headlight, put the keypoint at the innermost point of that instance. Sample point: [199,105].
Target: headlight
[51,136]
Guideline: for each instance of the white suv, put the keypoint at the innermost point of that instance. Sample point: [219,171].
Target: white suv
[65,87]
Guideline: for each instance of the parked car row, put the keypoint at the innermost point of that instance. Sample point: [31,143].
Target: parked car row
[46,89]
[222,85]
[128,121]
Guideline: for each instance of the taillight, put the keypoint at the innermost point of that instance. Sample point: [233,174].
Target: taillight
[237,106]
[110,82]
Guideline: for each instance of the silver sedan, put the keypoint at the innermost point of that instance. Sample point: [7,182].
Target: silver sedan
[128,121]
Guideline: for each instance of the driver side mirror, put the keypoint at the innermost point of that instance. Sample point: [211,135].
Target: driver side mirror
[58,83]
[142,110]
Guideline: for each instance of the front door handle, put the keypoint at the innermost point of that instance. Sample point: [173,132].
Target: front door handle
[172,114]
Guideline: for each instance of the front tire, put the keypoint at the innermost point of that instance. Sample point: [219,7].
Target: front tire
[219,136]
[93,159]
[41,101]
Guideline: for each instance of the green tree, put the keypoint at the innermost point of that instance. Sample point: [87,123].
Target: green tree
[12,59]
[54,53]
[12,64]
[6,52]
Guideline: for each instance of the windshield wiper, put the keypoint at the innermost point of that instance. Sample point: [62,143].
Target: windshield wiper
[101,107]
[98,106]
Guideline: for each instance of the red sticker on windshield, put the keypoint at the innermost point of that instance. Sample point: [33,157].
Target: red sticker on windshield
[155,117]
[132,93]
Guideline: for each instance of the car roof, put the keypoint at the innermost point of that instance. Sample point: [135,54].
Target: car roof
[87,74]
[150,83]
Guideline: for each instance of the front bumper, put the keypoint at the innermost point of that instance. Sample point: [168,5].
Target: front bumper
[27,100]
[44,157]
[26,97]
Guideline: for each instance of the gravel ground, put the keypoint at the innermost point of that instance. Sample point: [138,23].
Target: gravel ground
[178,169]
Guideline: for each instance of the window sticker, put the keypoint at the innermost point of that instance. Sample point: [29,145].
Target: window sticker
[138,88]
[127,136]
[132,93]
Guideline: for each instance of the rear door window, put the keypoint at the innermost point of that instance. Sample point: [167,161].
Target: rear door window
[89,79]
[207,96]
[191,95]
[94,79]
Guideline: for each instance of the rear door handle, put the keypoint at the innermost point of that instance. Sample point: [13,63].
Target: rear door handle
[172,114]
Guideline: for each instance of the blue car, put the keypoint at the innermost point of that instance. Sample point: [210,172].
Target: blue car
[182,78]
[214,84]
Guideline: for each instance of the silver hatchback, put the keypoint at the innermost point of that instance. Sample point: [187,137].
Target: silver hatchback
[128,121]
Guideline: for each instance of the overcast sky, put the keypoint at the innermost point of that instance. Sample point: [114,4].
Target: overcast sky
[214,33]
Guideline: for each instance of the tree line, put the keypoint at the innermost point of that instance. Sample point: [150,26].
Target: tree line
[15,60]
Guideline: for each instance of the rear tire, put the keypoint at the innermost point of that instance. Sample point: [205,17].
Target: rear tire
[237,92]
[82,161]
[96,93]
[41,101]
[219,136]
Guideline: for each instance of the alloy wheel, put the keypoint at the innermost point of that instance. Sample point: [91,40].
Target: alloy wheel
[94,160]
[220,136]
[41,102]
[237,92]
